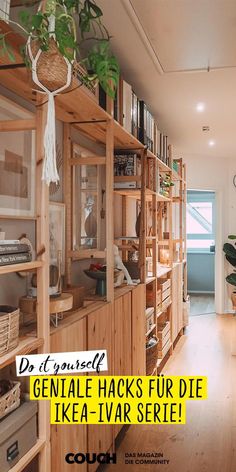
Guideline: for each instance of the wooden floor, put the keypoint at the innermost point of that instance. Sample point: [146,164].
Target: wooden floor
[202,304]
[207,443]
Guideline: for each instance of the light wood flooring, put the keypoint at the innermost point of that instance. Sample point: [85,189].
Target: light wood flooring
[207,443]
[202,304]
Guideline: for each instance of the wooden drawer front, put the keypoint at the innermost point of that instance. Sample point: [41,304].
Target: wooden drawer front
[149,318]
[163,341]
[166,294]
[159,296]
[165,284]
[162,329]
[162,352]
[166,303]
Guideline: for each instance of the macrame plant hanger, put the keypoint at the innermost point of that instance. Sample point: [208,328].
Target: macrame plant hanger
[49,173]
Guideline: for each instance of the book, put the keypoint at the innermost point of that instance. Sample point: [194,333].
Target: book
[10,259]
[9,241]
[13,248]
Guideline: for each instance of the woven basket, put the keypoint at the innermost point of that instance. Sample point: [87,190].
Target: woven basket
[151,357]
[52,68]
[9,328]
[10,401]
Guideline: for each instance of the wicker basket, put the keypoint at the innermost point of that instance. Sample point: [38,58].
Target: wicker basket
[151,357]
[52,68]
[9,328]
[10,401]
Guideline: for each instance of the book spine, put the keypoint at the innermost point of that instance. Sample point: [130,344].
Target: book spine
[13,248]
[15,259]
[6,242]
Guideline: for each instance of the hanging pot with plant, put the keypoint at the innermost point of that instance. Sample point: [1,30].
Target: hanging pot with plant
[62,36]
[230,254]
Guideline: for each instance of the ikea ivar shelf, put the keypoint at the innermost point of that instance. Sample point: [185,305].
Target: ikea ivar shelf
[116,322]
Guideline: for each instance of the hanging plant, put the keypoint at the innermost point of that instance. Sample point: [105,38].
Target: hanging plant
[60,38]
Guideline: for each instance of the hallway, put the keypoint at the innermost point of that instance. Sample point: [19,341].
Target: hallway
[207,443]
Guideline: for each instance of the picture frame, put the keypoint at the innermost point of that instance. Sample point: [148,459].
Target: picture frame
[17,164]
[57,233]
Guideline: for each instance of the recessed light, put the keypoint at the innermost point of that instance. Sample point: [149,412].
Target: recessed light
[211,143]
[200,107]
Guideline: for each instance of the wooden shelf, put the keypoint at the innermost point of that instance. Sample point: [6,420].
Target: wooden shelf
[162,166]
[162,271]
[150,280]
[26,266]
[26,345]
[136,193]
[28,457]
[159,361]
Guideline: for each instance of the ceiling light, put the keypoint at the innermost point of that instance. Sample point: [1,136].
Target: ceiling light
[200,107]
[211,143]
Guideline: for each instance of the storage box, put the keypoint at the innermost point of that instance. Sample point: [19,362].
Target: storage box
[18,434]
[78,293]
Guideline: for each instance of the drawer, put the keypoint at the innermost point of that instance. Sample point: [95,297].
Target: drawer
[163,285]
[18,434]
[166,303]
[166,294]
[162,341]
[162,329]
[162,352]
[149,318]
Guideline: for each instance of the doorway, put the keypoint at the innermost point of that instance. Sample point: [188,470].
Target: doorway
[201,224]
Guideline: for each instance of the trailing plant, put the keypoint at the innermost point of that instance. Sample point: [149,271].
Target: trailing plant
[80,35]
[230,254]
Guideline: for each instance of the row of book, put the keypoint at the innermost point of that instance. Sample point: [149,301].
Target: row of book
[14,252]
[135,116]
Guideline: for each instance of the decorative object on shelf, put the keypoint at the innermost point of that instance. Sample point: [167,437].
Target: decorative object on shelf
[58,306]
[90,224]
[127,166]
[9,397]
[9,328]
[118,264]
[17,165]
[24,241]
[165,184]
[165,256]
[52,47]
[55,186]
[57,233]
[78,292]
[2,235]
[151,354]
[54,280]
[230,254]
[18,435]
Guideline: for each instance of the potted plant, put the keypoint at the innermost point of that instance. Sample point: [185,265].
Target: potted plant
[230,254]
[60,37]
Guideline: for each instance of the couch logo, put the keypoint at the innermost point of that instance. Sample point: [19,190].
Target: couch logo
[90,458]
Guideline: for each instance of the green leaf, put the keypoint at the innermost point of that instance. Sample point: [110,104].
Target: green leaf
[37,20]
[24,17]
[231,236]
[229,250]
[231,279]
[94,10]
[231,260]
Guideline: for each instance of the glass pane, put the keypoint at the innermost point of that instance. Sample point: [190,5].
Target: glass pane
[86,207]
[199,218]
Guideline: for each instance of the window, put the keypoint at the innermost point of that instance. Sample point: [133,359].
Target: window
[200,220]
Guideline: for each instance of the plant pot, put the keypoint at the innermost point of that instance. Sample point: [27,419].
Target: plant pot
[52,69]
[233,298]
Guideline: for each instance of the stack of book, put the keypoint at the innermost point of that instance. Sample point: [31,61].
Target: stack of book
[14,252]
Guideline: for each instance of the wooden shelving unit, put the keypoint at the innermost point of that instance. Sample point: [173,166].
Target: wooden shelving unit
[85,328]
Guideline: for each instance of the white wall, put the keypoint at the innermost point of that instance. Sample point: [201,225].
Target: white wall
[215,173]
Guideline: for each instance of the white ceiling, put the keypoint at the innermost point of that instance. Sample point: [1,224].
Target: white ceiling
[165,48]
